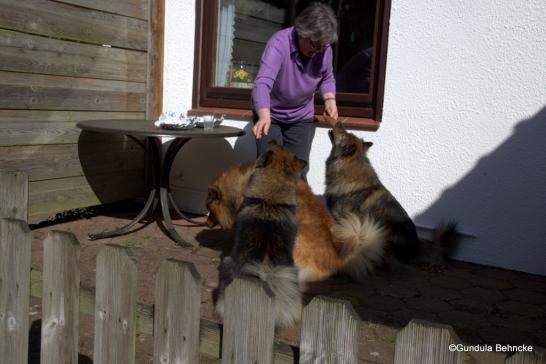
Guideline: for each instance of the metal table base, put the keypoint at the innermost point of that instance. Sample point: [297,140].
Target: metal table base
[160,191]
[161,167]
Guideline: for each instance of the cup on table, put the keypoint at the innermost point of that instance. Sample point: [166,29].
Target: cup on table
[208,122]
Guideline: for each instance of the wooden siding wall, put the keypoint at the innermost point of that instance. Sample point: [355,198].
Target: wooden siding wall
[66,61]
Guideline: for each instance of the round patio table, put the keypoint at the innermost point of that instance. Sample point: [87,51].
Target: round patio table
[160,190]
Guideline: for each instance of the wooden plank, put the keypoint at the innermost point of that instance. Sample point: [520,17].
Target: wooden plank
[41,162]
[329,332]
[13,195]
[249,326]
[43,116]
[40,133]
[60,303]
[538,356]
[15,244]
[115,324]
[34,127]
[44,81]
[210,332]
[422,342]
[20,52]
[63,21]
[177,309]
[253,29]
[44,92]
[156,39]
[36,133]
[132,8]
[46,198]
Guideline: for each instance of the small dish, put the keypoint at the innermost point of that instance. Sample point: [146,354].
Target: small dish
[217,121]
[169,121]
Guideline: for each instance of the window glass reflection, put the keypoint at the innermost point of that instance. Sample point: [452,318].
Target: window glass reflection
[245,26]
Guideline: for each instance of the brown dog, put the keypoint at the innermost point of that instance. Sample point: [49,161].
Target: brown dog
[322,248]
[354,189]
[265,231]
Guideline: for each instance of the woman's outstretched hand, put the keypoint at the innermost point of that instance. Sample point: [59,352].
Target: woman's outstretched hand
[261,127]
[330,111]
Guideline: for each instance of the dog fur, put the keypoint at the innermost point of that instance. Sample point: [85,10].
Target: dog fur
[265,231]
[355,193]
[322,248]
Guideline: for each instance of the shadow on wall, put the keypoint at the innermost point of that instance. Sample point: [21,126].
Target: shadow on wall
[102,157]
[246,146]
[503,202]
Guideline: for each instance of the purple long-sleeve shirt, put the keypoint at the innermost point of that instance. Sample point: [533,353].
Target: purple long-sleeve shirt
[286,81]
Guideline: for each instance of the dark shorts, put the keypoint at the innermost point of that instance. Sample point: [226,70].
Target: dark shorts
[296,137]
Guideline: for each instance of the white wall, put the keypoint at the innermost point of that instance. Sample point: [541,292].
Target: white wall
[464,123]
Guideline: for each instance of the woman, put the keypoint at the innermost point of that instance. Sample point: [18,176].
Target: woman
[296,61]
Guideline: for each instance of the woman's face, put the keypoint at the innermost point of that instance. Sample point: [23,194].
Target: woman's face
[308,48]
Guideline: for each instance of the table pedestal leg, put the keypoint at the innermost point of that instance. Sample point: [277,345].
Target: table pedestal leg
[150,205]
[164,193]
[161,171]
[173,204]
[153,196]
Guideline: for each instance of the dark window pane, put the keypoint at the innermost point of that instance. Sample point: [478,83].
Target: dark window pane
[354,48]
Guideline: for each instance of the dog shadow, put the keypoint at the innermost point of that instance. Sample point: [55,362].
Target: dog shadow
[216,239]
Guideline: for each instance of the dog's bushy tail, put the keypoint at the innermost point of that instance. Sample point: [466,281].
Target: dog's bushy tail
[362,241]
[283,281]
[445,239]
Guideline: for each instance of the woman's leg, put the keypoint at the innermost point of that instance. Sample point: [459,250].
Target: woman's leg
[297,138]
[275,133]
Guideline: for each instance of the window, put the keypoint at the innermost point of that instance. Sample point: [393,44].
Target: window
[232,34]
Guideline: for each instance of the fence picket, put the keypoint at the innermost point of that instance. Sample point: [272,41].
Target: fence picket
[538,356]
[115,301]
[249,326]
[329,332]
[60,299]
[422,342]
[177,313]
[14,195]
[15,247]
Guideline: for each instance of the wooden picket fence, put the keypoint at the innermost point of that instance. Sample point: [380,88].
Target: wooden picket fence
[329,332]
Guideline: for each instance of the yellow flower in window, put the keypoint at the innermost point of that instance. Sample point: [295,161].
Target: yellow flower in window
[242,76]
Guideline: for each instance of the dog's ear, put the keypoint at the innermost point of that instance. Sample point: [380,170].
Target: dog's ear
[348,149]
[272,142]
[214,193]
[264,160]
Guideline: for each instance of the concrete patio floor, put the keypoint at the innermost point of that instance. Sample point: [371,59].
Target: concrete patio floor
[483,304]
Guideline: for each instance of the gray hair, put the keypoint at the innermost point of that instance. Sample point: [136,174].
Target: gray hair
[318,23]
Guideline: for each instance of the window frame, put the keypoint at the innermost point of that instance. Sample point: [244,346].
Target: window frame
[236,102]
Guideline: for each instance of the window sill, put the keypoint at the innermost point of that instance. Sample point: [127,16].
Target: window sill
[352,123]
[229,113]
[349,122]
